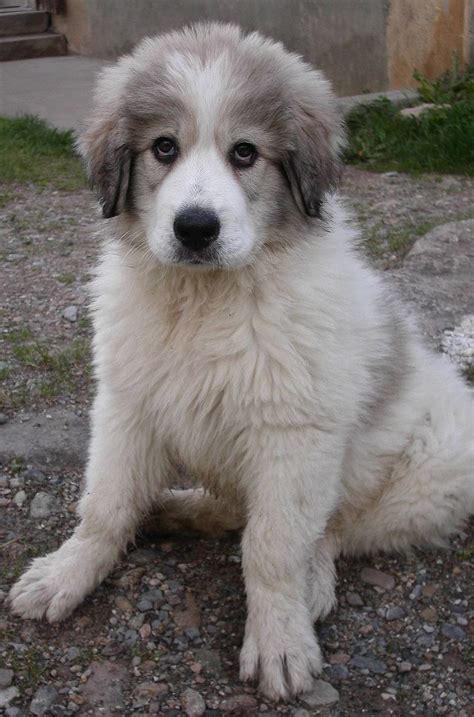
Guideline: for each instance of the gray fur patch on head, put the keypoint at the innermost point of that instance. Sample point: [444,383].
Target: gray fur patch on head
[265,86]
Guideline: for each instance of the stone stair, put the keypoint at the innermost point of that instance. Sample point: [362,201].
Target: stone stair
[26,33]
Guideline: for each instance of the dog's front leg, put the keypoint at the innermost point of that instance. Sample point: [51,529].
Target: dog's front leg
[123,474]
[291,493]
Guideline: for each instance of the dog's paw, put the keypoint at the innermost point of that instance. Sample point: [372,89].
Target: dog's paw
[52,587]
[282,654]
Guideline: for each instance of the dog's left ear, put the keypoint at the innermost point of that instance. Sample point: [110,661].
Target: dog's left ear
[108,162]
[312,164]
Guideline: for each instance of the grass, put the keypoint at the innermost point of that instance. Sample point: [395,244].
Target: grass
[51,372]
[440,140]
[32,151]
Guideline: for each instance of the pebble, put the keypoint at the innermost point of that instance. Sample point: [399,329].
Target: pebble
[337,672]
[354,599]
[122,603]
[42,505]
[20,498]
[43,700]
[322,694]
[145,631]
[4,481]
[453,632]
[34,474]
[394,612]
[301,713]
[6,678]
[209,659]
[377,578]
[3,419]
[7,695]
[72,653]
[144,605]
[193,703]
[70,313]
[404,666]
[238,704]
[362,662]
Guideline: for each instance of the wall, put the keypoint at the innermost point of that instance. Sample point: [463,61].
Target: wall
[362,45]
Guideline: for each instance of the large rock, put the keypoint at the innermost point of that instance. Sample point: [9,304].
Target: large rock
[55,439]
[436,276]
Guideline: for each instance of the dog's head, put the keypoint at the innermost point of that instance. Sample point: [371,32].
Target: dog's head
[214,143]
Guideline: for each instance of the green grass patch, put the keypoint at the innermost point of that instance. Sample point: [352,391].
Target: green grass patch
[67,278]
[32,151]
[440,140]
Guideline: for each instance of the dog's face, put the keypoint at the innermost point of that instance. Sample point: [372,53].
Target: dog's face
[211,143]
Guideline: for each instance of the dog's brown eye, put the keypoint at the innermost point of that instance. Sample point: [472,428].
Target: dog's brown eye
[243,154]
[165,149]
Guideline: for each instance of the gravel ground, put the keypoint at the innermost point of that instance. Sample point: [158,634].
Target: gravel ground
[162,634]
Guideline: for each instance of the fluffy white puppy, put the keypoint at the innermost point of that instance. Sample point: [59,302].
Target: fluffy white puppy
[239,333]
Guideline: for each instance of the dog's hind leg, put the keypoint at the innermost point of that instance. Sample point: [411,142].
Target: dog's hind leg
[193,510]
[322,578]
[121,484]
[429,493]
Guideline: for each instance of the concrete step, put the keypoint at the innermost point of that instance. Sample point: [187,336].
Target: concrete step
[22,47]
[23,22]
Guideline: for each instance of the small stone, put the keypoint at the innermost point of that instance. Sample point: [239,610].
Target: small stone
[192,633]
[12,712]
[144,605]
[339,658]
[337,672]
[44,698]
[238,703]
[453,632]
[72,653]
[394,612]
[404,666]
[4,482]
[322,694]
[35,475]
[386,696]
[377,578]
[70,313]
[145,631]
[152,595]
[20,498]
[152,690]
[6,678]
[122,603]
[193,703]
[415,593]
[7,695]
[429,615]
[354,599]
[3,419]
[42,505]
[362,662]
[301,713]
[209,659]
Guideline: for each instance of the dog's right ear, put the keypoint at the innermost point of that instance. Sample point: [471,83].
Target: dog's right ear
[108,161]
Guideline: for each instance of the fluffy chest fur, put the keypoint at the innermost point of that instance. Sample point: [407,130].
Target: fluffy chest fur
[210,357]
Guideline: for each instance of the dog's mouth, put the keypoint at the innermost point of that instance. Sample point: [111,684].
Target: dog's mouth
[205,257]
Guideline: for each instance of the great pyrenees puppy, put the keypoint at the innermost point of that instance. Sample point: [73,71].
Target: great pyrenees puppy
[239,333]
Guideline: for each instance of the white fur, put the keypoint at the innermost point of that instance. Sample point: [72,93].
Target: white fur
[257,379]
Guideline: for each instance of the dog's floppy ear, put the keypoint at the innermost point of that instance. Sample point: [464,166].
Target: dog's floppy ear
[108,162]
[312,164]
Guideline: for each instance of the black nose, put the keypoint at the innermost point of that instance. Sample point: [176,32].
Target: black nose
[196,228]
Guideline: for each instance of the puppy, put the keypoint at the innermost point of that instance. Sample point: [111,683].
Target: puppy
[239,333]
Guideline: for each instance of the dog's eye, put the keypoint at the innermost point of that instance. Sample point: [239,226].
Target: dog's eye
[165,149]
[243,154]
